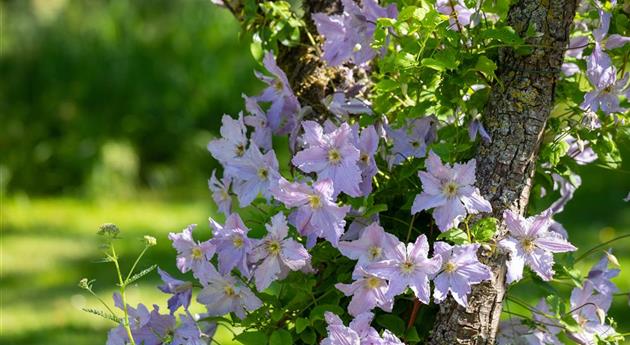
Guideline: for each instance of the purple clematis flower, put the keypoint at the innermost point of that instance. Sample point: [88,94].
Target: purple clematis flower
[277,254]
[374,245]
[233,142]
[221,192]
[460,270]
[410,267]
[589,310]
[476,128]
[358,225]
[192,255]
[284,104]
[224,294]
[232,244]
[258,120]
[567,188]
[181,291]
[317,214]
[367,143]
[367,291]
[530,242]
[459,15]
[603,76]
[359,332]
[450,190]
[254,174]
[349,35]
[342,106]
[147,328]
[580,151]
[600,276]
[191,332]
[412,140]
[331,155]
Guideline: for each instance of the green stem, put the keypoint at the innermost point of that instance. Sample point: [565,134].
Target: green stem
[413,218]
[135,264]
[590,251]
[122,296]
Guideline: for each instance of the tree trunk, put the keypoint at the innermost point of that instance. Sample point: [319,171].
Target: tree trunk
[515,116]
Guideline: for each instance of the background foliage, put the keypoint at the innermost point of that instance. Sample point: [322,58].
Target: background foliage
[103,103]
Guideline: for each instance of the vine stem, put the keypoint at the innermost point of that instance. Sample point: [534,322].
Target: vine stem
[413,218]
[590,251]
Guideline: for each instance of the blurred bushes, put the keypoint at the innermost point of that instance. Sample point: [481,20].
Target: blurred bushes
[152,76]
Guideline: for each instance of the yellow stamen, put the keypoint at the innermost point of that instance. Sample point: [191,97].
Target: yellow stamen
[334,156]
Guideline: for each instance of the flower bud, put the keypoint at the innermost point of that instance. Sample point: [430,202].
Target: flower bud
[84,284]
[109,230]
[150,241]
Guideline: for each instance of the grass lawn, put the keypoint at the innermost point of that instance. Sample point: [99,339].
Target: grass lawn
[48,245]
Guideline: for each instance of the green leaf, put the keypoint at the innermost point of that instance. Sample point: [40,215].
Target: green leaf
[308,336]
[553,152]
[607,151]
[455,235]
[301,324]
[140,274]
[504,34]
[252,338]
[412,336]
[486,66]
[392,322]
[318,312]
[280,337]
[484,229]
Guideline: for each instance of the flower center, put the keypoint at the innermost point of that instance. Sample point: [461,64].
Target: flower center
[183,287]
[229,291]
[273,247]
[263,174]
[197,253]
[450,267]
[334,156]
[315,201]
[407,267]
[240,150]
[224,194]
[415,144]
[372,282]
[607,89]
[278,85]
[356,47]
[365,159]
[528,244]
[237,241]
[374,252]
[450,189]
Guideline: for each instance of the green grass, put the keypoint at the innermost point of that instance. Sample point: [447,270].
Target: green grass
[48,245]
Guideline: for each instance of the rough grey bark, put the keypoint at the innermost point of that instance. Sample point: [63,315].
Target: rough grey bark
[515,116]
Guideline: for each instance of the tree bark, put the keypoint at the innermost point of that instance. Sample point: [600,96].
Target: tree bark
[515,116]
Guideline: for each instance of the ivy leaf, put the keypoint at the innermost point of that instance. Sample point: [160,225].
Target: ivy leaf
[301,324]
[280,337]
[484,230]
[455,235]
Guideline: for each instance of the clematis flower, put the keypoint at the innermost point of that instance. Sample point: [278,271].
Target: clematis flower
[459,15]
[258,119]
[332,156]
[476,128]
[359,332]
[224,294]
[181,291]
[367,143]
[367,291]
[450,190]
[349,35]
[600,276]
[567,188]
[409,266]
[588,309]
[232,244]
[191,332]
[255,174]
[221,192]
[277,254]
[342,106]
[374,245]
[603,76]
[460,270]
[147,328]
[233,142]
[317,215]
[192,255]
[412,140]
[613,41]
[284,104]
[580,151]
[358,225]
[530,243]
